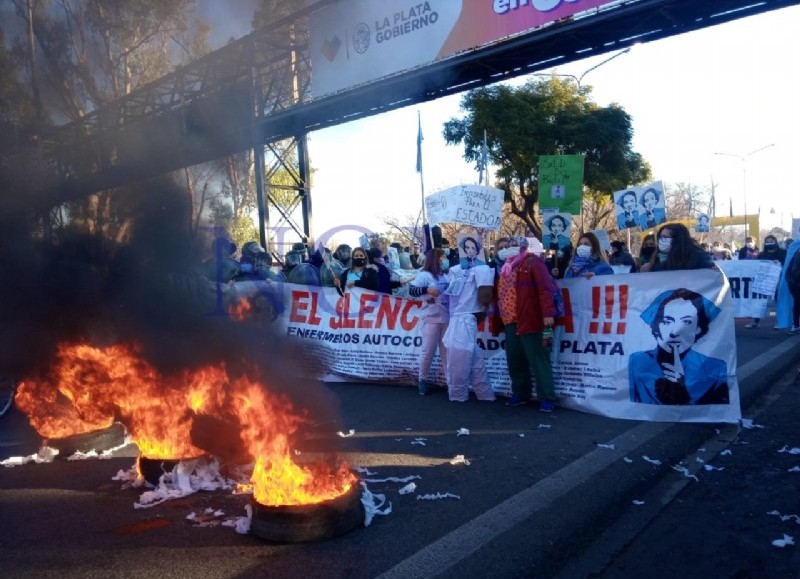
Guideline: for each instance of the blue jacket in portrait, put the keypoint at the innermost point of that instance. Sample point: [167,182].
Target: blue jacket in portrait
[624,222]
[705,379]
[659,216]
[562,240]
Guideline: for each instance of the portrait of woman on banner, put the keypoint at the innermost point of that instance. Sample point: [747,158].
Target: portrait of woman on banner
[674,373]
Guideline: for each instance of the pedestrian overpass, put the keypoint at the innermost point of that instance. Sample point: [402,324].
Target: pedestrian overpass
[256,92]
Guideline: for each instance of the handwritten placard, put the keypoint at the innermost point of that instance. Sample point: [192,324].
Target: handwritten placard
[475,205]
[766,278]
[561,183]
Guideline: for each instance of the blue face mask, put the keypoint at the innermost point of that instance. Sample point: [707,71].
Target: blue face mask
[246,267]
[445,264]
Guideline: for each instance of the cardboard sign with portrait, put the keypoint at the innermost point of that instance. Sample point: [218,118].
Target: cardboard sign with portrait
[470,249]
[703,223]
[556,228]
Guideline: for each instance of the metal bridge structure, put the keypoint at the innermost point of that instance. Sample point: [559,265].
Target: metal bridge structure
[255,93]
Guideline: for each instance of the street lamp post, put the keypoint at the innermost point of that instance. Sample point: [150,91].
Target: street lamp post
[579,79]
[743,159]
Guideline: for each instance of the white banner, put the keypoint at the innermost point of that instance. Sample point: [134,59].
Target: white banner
[656,346]
[475,205]
[753,283]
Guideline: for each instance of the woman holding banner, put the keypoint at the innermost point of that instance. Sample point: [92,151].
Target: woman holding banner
[429,285]
[359,274]
[589,259]
[677,250]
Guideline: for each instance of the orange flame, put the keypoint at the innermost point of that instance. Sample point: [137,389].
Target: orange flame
[91,387]
[241,309]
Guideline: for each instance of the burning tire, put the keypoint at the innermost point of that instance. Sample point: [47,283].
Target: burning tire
[99,440]
[306,523]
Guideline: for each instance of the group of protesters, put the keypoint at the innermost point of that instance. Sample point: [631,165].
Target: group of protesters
[515,282]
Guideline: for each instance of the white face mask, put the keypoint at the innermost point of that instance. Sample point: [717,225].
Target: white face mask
[583,251]
[507,252]
[664,244]
[750,245]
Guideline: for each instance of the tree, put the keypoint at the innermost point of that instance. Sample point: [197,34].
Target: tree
[80,55]
[546,117]
[686,200]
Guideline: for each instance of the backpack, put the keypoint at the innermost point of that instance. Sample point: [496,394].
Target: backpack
[793,272]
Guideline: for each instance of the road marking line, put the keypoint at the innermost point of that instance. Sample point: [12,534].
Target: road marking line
[462,542]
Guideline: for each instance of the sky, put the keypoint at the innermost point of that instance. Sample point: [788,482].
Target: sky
[731,89]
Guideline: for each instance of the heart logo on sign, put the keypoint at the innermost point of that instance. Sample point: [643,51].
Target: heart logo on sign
[330,48]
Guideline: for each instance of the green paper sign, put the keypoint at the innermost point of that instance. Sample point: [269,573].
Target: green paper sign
[561,183]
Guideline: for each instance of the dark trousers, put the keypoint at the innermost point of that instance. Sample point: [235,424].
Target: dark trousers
[526,354]
[795,307]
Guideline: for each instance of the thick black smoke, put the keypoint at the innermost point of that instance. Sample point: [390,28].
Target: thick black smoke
[149,291]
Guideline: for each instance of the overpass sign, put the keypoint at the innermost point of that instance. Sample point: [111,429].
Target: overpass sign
[356,42]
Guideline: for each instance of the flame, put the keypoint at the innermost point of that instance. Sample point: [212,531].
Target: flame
[89,387]
[241,309]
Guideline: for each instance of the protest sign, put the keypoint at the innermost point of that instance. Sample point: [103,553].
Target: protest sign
[610,357]
[474,205]
[651,198]
[753,283]
[702,224]
[561,183]
[556,229]
[626,204]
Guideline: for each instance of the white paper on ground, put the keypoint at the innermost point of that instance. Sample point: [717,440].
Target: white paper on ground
[393,479]
[785,518]
[408,489]
[684,471]
[793,450]
[241,524]
[349,433]
[437,496]
[787,540]
[44,455]
[186,478]
[373,505]
[651,460]
[609,446]
[749,424]
[460,459]
[462,432]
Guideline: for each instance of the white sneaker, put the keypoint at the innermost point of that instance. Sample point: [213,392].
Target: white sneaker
[794,331]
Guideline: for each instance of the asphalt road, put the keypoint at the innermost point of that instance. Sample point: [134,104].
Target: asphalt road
[540,497]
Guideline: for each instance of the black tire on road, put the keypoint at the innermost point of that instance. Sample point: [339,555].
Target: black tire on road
[99,440]
[307,523]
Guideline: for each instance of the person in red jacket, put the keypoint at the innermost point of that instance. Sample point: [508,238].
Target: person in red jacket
[525,292]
